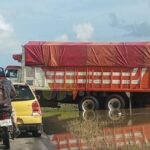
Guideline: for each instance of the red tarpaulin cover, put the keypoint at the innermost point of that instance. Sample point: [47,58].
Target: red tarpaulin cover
[129,54]
[17,57]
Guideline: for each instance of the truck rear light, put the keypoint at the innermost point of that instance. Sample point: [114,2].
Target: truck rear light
[36,110]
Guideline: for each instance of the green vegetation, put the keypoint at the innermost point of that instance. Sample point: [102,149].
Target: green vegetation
[92,127]
[99,136]
[64,112]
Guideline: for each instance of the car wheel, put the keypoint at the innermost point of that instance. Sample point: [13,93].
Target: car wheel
[36,133]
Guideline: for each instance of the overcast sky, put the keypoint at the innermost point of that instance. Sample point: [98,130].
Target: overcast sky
[70,20]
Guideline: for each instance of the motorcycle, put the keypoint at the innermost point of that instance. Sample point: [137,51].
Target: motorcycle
[6,125]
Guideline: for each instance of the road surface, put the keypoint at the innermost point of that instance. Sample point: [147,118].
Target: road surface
[29,143]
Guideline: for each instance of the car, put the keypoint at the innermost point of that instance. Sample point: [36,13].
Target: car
[27,110]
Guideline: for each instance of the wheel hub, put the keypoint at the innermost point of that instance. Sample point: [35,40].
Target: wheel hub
[114,104]
[88,105]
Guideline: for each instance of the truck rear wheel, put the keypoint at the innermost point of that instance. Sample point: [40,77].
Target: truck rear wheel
[88,103]
[114,102]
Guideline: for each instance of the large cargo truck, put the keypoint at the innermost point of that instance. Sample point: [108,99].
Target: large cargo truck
[88,74]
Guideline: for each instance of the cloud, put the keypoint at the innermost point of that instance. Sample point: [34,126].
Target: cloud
[5,29]
[62,37]
[141,29]
[83,31]
[114,21]
[7,40]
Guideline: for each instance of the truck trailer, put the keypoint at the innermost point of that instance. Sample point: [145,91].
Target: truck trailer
[90,74]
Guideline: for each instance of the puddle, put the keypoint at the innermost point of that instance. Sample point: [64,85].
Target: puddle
[127,129]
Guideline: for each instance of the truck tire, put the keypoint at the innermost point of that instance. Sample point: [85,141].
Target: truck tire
[88,103]
[114,102]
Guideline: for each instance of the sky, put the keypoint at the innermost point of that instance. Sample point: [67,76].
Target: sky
[70,20]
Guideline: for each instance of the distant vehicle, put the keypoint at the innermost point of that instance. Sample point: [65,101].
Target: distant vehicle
[13,72]
[28,111]
[89,74]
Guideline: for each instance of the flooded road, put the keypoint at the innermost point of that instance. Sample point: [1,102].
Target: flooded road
[120,129]
[90,130]
[28,142]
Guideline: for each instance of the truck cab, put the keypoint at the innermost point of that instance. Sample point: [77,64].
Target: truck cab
[13,73]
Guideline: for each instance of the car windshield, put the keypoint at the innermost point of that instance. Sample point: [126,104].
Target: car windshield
[23,93]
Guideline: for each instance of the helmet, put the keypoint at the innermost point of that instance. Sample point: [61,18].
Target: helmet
[2,72]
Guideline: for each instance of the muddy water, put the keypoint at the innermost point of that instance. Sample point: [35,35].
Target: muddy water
[120,129]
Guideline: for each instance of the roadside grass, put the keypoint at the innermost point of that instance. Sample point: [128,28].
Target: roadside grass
[99,136]
[66,111]
[66,119]
[55,119]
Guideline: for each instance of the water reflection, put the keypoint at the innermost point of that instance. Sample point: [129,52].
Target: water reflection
[119,129]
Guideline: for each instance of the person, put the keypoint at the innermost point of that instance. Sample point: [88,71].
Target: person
[7,93]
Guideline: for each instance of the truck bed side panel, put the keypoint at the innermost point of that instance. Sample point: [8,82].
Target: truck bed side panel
[92,78]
